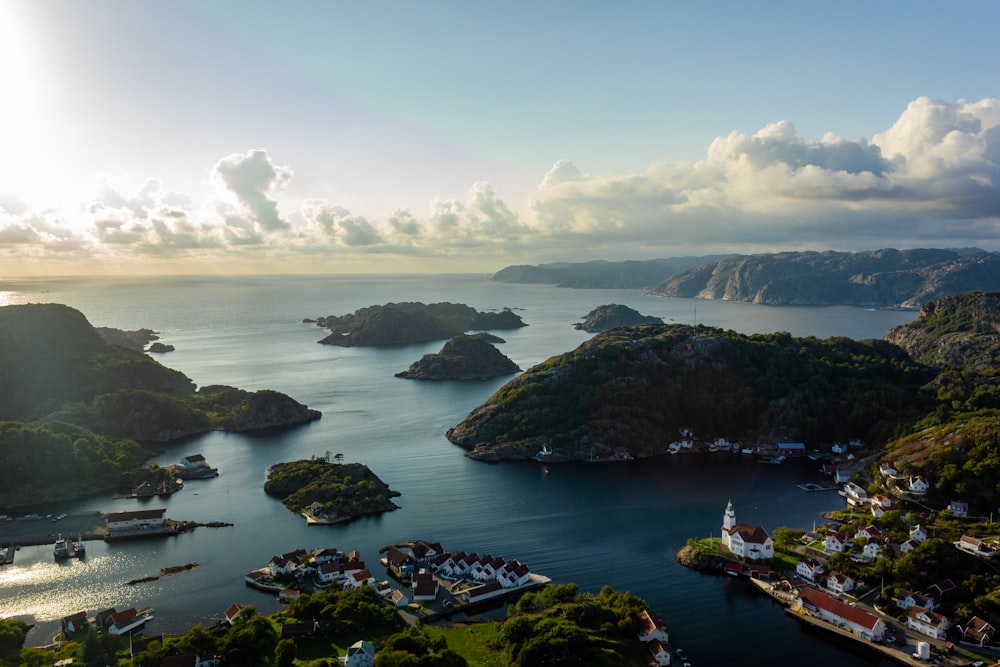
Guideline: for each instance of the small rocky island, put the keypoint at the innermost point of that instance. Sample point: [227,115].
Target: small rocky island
[466,357]
[411,322]
[329,492]
[604,318]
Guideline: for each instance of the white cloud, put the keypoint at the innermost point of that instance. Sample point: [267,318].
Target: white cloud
[254,180]
[931,179]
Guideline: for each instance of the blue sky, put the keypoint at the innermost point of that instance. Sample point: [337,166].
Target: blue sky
[247,136]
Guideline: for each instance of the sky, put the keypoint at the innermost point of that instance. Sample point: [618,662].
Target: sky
[248,137]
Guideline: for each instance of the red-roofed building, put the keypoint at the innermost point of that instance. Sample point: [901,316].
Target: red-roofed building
[977,630]
[425,586]
[743,540]
[927,622]
[118,522]
[834,611]
[233,611]
[659,652]
[651,627]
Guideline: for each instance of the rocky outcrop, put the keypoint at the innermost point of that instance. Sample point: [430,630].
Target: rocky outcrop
[467,357]
[410,322]
[133,340]
[960,331]
[882,278]
[160,348]
[608,317]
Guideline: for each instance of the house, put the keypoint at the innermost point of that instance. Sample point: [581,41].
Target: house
[425,552]
[650,627]
[908,546]
[125,621]
[959,509]
[281,565]
[838,582]
[325,555]
[488,590]
[869,533]
[919,486]
[102,619]
[975,546]
[399,598]
[887,470]
[122,522]
[909,599]
[359,654]
[834,611]
[425,586]
[977,630]
[298,630]
[659,652]
[514,574]
[855,494]
[743,540]
[836,542]
[884,502]
[398,561]
[74,622]
[193,461]
[873,550]
[359,578]
[927,622]
[810,569]
[839,448]
[792,448]
[918,533]
[942,588]
[329,571]
[287,594]
[233,611]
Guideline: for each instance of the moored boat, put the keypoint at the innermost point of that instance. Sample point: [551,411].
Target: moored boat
[60,549]
[79,547]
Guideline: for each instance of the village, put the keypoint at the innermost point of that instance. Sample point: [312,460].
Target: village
[830,577]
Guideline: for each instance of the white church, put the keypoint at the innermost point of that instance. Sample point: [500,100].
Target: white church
[745,541]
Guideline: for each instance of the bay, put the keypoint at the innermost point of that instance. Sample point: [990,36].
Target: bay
[616,524]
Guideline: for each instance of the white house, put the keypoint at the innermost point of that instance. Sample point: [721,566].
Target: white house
[514,574]
[910,599]
[869,533]
[959,509]
[281,565]
[836,542]
[193,461]
[659,652]
[651,627]
[977,630]
[873,550]
[855,494]
[399,598]
[74,622]
[233,611]
[359,654]
[123,622]
[329,571]
[838,582]
[810,569]
[834,611]
[918,533]
[359,578]
[887,470]
[975,546]
[425,586]
[919,485]
[908,546]
[743,540]
[927,622]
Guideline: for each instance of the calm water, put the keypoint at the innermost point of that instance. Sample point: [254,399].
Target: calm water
[616,524]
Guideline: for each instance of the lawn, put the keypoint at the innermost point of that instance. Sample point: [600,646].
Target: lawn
[473,642]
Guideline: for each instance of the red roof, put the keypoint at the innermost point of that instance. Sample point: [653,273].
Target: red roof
[141,514]
[834,606]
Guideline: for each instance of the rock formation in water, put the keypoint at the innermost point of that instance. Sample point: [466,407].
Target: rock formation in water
[610,316]
[466,357]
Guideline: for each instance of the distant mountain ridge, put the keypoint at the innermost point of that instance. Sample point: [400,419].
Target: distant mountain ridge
[885,278]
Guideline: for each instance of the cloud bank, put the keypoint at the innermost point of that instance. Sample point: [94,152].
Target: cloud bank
[931,179]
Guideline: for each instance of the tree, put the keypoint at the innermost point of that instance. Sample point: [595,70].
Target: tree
[284,653]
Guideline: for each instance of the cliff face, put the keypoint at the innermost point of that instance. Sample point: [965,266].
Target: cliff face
[883,278]
[608,317]
[602,274]
[959,331]
[463,358]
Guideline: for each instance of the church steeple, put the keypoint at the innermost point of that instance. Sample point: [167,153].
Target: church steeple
[728,522]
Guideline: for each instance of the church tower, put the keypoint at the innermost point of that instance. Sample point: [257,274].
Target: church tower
[728,523]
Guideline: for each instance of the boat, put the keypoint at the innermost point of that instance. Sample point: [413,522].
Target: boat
[60,549]
[79,547]
[543,453]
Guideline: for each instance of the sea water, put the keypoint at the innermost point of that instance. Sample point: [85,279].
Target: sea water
[615,524]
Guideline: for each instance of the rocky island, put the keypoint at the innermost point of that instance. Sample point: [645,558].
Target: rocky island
[329,492]
[411,322]
[466,357]
[614,315]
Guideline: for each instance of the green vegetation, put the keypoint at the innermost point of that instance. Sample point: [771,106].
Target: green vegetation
[344,489]
[636,387]
[56,461]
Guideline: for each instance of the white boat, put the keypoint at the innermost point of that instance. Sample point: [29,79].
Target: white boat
[60,549]
[543,453]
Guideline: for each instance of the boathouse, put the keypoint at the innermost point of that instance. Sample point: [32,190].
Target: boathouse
[123,522]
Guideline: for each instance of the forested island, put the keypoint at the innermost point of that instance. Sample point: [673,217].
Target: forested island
[885,278]
[614,315]
[411,322]
[74,407]
[465,357]
[329,491]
